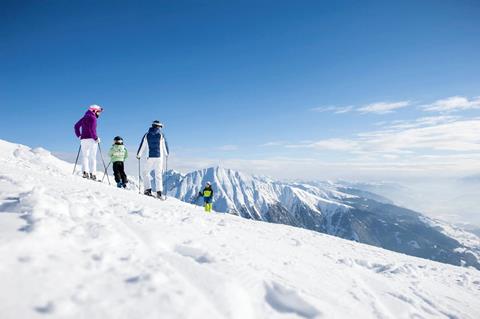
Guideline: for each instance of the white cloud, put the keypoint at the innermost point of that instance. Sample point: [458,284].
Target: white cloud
[457,136]
[377,108]
[333,144]
[453,104]
[443,144]
[383,107]
[428,146]
[425,134]
[420,122]
[334,109]
[274,143]
[450,104]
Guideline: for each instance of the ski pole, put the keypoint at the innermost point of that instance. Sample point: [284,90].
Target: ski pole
[106,170]
[76,160]
[165,182]
[104,166]
[139,190]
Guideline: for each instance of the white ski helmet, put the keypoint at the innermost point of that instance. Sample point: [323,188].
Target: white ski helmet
[208,184]
[157,123]
[95,108]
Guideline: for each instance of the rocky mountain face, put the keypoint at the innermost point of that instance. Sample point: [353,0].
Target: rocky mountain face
[330,208]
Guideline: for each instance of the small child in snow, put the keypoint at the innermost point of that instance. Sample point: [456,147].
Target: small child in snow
[118,154]
[207,195]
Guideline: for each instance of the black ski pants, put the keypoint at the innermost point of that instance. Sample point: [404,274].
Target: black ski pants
[119,172]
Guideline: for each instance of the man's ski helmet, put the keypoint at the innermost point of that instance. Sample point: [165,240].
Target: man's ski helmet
[95,108]
[208,184]
[157,124]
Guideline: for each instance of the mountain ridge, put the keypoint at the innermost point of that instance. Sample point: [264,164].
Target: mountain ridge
[334,209]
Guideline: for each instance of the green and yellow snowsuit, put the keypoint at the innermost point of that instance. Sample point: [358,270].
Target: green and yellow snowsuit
[207,195]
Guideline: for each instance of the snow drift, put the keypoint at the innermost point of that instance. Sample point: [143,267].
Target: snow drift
[72,248]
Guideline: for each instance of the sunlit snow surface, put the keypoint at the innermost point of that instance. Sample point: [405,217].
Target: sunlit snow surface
[72,248]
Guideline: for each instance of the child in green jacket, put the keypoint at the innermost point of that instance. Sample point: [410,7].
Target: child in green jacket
[118,154]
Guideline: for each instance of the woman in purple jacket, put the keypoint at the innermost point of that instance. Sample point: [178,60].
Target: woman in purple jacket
[86,130]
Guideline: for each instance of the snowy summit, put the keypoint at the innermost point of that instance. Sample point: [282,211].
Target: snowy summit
[75,248]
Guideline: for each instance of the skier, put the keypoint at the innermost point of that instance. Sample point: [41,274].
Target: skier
[118,154]
[157,155]
[86,130]
[207,195]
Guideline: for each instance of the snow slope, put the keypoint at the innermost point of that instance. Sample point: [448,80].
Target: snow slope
[72,248]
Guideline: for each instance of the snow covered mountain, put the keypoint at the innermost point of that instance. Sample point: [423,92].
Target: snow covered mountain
[333,209]
[73,248]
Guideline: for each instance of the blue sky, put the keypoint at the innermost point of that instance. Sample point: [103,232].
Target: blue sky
[285,88]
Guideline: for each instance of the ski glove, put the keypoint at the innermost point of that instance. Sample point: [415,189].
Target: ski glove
[98,140]
[138,156]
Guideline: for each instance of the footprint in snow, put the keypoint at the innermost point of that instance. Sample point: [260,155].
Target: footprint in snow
[24,259]
[140,212]
[197,254]
[45,309]
[288,301]
[9,204]
[296,242]
[29,223]
[137,279]
[97,257]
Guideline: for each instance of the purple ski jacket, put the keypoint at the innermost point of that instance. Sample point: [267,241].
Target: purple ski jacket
[88,123]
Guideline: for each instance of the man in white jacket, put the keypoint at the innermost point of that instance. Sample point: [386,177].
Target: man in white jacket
[158,152]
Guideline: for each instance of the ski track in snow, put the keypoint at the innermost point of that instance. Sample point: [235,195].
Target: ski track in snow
[71,248]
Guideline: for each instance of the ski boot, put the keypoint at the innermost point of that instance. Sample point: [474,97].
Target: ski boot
[159,195]
[85,175]
[93,177]
[119,185]
[124,184]
[148,192]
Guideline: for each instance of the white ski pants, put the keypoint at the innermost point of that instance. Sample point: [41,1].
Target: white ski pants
[89,155]
[155,164]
